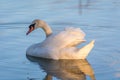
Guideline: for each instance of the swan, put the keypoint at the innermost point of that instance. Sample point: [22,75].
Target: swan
[62,45]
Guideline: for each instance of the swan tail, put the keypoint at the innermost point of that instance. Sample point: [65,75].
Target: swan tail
[84,51]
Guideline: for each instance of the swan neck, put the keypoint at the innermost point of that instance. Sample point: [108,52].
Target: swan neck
[47,30]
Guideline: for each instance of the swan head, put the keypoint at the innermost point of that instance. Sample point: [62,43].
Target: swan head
[35,24]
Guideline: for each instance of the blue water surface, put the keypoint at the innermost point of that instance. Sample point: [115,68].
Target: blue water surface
[99,19]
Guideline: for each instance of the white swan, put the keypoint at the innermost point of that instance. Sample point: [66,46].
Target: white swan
[61,45]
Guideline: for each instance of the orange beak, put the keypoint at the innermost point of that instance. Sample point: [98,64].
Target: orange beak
[30,30]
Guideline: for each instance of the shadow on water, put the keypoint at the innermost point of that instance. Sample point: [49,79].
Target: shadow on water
[64,69]
[83,4]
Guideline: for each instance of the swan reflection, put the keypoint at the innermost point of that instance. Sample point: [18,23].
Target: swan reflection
[65,69]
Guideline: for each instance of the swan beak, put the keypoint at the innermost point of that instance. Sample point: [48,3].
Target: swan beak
[31,28]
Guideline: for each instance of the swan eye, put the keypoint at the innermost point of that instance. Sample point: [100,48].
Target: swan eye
[32,26]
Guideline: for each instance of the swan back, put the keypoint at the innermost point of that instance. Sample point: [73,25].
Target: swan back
[68,38]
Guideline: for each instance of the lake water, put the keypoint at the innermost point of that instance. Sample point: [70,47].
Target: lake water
[99,19]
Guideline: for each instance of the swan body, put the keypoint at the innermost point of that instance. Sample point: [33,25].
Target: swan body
[61,45]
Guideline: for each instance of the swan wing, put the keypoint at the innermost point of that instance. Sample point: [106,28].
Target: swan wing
[68,38]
